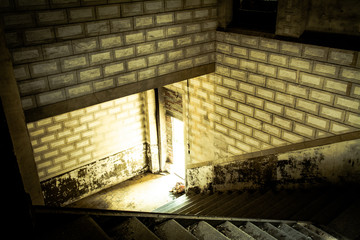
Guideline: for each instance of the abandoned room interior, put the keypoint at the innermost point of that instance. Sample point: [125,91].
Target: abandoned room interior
[253,105]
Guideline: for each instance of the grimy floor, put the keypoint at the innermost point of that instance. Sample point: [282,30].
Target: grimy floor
[142,193]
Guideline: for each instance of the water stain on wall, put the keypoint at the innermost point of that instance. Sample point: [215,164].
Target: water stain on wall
[78,183]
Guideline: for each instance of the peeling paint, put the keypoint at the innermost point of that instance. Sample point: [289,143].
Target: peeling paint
[337,163]
[86,180]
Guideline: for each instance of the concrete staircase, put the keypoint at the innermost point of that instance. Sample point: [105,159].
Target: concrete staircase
[105,224]
[335,209]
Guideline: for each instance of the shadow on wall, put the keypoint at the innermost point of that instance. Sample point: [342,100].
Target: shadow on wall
[333,164]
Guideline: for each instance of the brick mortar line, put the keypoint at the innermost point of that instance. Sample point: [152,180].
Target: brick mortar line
[295,96]
[301,45]
[41,46]
[291,68]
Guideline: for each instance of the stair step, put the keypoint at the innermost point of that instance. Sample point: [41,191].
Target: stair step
[198,204]
[134,229]
[173,230]
[292,232]
[256,232]
[204,231]
[318,231]
[224,198]
[233,232]
[167,207]
[193,202]
[307,232]
[275,232]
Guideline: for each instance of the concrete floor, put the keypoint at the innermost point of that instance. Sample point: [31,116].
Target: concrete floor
[142,193]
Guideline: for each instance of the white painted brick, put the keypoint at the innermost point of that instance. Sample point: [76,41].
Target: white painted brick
[307,105]
[335,86]
[79,90]
[281,122]
[276,84]
[332,113]
[269,44]
[221,110]
[258,55]
[278,59]
[62,80]
[39,35]
[136,64]
[184,64]
[311,80]
[267,70]
[236,116]
[183,16]
[33,86]
[338,128]
[304,130]
[70,31]
[193,28]
[201,13]
[243,108]
[243,146]
[254,101]
[265,93]
[284,98]
[325,69]
[228,82]
[317,122]
[244,128]
[113,68]
[273,107]
[125,52]
[247,65]
[156,59]
[166,18]
[229,123]
[75,62]
[44,68]
[81,14]
[297,90]
[85,45]
[294,114]
[89,74]
[290,48]
[221,128]
[315,52]
[27,55]
[21,72]
[278,142]
[249,41]
[110,41]
[134,37]
[143,21]
[261,136]
[147,73]
[287,74]
[230,61]
[132,9]
[222,90]
[238,74]
[256,79]
[51,97]
[239,51]
[251,141]
[100,57]
[300,63]
[347,103]
[121,24]
[321,96]
[353,119]
[238,96]
[350,74]
[262,115]
[355,90]
[341,57]
[291,137]
[223,47]
[154,34]
[108,11]
[271,129]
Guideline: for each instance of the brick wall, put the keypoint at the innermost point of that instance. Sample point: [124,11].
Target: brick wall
[267,93]
[65,49]
[71,140]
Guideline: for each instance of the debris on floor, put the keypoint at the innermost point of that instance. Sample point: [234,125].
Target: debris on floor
[179,188]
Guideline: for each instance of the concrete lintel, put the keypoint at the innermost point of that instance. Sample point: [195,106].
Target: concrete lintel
[36,114]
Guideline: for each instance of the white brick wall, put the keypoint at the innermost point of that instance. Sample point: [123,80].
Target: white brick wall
[66,141]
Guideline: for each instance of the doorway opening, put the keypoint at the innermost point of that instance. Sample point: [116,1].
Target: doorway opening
[178,148]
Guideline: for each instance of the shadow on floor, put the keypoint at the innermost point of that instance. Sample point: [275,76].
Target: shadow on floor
[145,192]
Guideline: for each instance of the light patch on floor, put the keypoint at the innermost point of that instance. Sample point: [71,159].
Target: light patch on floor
[142,193]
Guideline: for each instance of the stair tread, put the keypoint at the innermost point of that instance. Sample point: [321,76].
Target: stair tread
[203,230]
[167,207]
[217,204]
[256,232]
[275,232]
[134,229]
[174,231]
[196,204]
[292,232]
[233,232]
